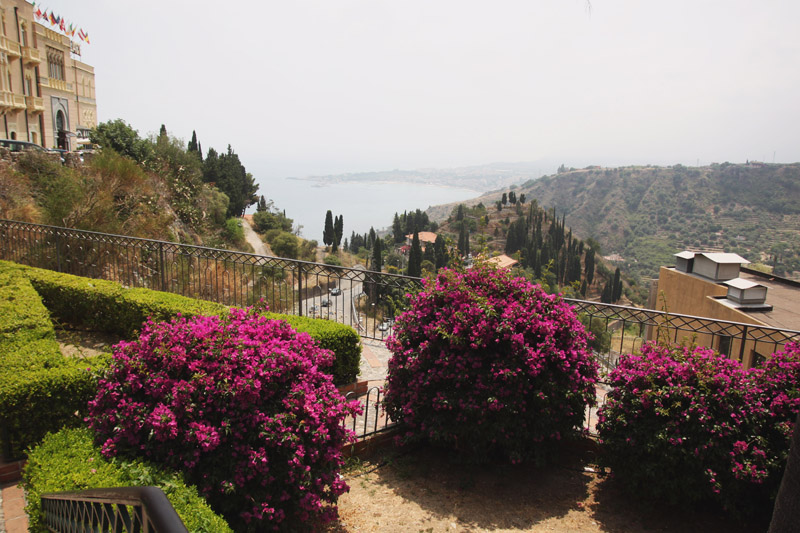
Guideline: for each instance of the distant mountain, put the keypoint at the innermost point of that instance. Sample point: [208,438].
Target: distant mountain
[479,178]
[643,215]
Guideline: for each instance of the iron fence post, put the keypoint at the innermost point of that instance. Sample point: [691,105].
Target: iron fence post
[300,288]
[161,266]
[741,347]
[58,252]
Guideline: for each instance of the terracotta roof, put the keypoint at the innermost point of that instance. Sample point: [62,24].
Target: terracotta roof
[503,261]
[424,236]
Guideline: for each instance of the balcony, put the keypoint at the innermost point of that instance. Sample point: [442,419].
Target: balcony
[34,104]
[18,101]
[9,101]
[31,56]
[9,47]
[59,85]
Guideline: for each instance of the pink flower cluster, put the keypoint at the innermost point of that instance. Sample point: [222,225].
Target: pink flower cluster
[486,363]
[241,405]
[687,425]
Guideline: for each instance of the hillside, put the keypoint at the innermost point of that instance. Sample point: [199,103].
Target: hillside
[646,214]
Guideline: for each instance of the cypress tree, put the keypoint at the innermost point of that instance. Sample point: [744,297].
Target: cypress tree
[415,257]
[377,259]
[605,297]
[522,198]
[328,233]
[616,293]
[441,252]
[338,229]
[397,229]
[504,199]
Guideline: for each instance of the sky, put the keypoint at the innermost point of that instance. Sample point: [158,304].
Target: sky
[306,87]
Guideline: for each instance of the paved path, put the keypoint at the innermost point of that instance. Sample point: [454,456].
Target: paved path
[12,509]
[259,246]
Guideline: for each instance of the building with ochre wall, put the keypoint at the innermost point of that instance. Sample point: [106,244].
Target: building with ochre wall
[720,287]
[46,96]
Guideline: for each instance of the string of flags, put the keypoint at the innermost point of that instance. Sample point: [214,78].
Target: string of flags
[60,23]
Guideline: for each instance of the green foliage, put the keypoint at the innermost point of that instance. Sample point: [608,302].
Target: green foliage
[123,139]
[229,175]
[600,339]
[107,306]
[266,220]
[40,390]
[333,260]
[285,245]
[70,461]
[234,232]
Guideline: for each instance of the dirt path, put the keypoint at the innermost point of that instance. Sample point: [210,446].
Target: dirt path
[259,246]
[426,491]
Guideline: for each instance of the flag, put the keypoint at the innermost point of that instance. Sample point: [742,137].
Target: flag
[52,18]
[62,26]
[87,39]
[38,12]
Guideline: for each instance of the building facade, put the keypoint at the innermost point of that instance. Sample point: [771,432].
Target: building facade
[46,96]
[720,287]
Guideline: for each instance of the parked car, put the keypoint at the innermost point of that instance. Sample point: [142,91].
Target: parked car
[384,326]
[313,309]
[336,291]
[21,146]
[325,303]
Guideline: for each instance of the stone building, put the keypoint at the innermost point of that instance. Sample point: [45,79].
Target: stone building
[47,96]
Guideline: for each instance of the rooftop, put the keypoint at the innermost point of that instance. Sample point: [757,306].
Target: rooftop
[783,295]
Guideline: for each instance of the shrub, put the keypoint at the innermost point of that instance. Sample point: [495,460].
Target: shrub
[69,461]
[240,405]
[40,389]
[686,425]
[233,231]
[484,363]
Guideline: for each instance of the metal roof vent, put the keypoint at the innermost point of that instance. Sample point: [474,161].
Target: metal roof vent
[718,266]
[746,292]
[684,261]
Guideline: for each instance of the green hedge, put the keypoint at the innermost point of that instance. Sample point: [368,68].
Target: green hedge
[107,306]
[70,461]
[40,389]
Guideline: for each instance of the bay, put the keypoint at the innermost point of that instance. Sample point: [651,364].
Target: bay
[362,204]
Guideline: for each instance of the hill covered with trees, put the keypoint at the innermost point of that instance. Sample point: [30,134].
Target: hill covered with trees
[646,214]
[156,188]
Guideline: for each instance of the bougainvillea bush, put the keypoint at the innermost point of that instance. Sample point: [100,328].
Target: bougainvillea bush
[240,405]
[486,364]
[684,424]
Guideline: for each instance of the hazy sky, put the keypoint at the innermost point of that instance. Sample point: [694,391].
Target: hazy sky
[326,86]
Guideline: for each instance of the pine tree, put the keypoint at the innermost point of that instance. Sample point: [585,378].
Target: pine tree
[415,257]
[328,232]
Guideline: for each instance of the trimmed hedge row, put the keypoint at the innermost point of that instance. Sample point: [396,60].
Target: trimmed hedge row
[106,306]
[70,461]
[40,389]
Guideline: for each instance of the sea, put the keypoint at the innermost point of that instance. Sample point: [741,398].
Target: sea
[362,204]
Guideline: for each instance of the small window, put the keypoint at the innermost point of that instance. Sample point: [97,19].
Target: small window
[724,347]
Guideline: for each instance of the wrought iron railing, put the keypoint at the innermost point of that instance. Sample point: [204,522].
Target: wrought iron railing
[115,510]
[363,299]
[357,297]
